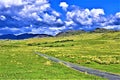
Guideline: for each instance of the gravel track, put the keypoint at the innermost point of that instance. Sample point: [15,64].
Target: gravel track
[107,75]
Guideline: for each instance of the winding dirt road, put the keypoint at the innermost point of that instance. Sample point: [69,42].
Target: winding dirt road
[107,75]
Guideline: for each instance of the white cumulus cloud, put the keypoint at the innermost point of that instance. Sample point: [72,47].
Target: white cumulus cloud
[112,27]
[117,14]
[64,5]
[56,13]
[37,16]
[2,17]
[49,18]
[9,3]
[85,17]
[97,12]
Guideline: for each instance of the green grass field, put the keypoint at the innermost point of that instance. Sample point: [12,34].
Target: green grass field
[95,50]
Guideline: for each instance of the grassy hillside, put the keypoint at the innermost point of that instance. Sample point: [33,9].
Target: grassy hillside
[18,61]
[96,50]
[71,32]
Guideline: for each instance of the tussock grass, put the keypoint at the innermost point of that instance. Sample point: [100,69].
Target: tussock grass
[95,50]
[18,61]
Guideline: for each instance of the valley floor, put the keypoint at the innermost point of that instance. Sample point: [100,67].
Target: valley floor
[95,50]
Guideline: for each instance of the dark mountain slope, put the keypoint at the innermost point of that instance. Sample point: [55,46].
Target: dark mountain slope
[23,36]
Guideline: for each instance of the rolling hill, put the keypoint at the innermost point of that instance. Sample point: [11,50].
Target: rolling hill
[99,51]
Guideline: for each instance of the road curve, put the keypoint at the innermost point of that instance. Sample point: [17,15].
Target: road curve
[107,75]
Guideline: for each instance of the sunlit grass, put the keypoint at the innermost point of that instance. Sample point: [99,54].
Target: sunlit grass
[95,50]
[18,61]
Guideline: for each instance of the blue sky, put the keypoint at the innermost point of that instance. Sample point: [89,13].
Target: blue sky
[110,6]
[54,16]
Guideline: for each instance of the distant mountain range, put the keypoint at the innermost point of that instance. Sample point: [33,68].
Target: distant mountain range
[64,33]
[77,32]
[23,36]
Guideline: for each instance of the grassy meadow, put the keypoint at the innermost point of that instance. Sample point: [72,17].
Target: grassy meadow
[95,50]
